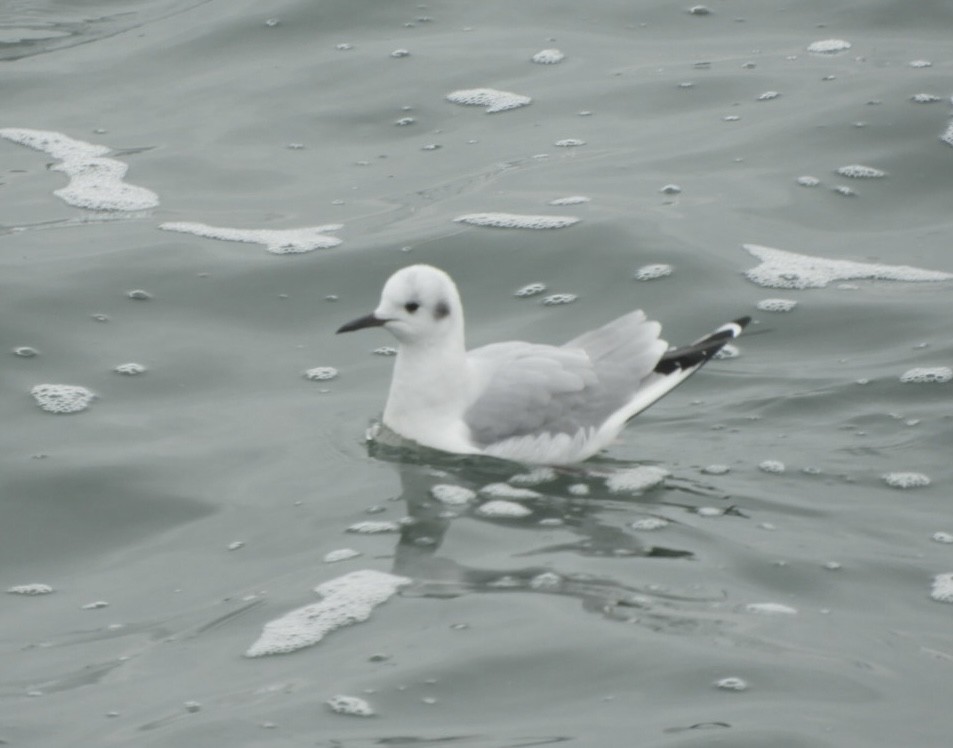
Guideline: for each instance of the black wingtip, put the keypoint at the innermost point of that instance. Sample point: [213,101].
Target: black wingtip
[703,349]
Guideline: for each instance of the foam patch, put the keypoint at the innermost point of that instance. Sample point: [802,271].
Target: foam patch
[490,98]
[276,241]
[516,221]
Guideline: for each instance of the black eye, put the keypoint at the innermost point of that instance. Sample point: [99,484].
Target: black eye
[411,306]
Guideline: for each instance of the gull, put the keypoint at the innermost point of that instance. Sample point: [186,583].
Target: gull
[524,402]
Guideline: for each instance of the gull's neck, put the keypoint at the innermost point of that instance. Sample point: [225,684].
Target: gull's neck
[429,392]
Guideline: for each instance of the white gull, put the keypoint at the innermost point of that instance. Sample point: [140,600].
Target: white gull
[543,404]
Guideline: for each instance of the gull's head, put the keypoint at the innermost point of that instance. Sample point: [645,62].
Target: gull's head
[419,304]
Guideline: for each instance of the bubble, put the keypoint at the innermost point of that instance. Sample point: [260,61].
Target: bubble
[321,373]
[924,374]
[905,480]
[62,398]
[937,537]
[533,477]
[832,566]
[30,589]
[727,351]
[404,121]
[699,10]
[96,183]
[569,143]
[276,241]
[272,22]
[530,289]
[768,95]
[942,590]
[557,299]
[345,600]
[571,200]
[342,554]
[400,53]
[236,545]
[859,171]
[776,305]
[637,479]
[782,269]
[670,189]
[649,523]
[130,370]
[516,221]
[385,350]
[828,46]
[500,508]
[653,272]
[548,57]
[843,190]
[490,98]
[924,98]
[716,469]
[343,47]
[920,64]
[506,491]
[369,527]
[447,493]
[807,181]
[192,706]
[771,609]
[771,466]
[732,684]
[25,351]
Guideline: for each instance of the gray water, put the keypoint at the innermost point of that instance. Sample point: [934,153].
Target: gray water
[567,625]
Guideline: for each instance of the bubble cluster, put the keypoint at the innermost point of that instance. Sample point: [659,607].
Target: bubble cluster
[30,589]
[649,523]
[920,64]
[942,590]
[924,98]
[859,171]
[942,537]
[927,374]
[571,200]
[776,305]
[768,95]
[516,221]
[634,480]
[557,299]
[905,480]
[353,706]
[276,241]
[782,269]
[385,350]
[346,600]
[548,57]
[130,370]
[653,272]
[506,491]
[490,98]
[771,466]
[501,508]
[530,289]
[716,469]
[370,527]
[62,398]
[96,183]
[321,373]
[447,493]
[828,46]
[808,181]
[534,477]
[569,143]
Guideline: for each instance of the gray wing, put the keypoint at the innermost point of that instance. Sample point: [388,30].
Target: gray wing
[539,389]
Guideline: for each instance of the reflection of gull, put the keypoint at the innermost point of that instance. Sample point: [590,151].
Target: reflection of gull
[514,400]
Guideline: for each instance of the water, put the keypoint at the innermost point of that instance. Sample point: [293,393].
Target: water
[188,506]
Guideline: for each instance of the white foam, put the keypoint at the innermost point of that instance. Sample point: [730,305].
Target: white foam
[321,373]
[447,493]
[530,289]
[344,601]
[709,511]
[942,590]
[924,98]
[924,374]
[341,554]
[906,480]
[782,269]
[768,95]
[727,351]
[62,398]
[548,57]
[716,469]
[843,190]
[578,489]
[547,580]
[352,706]
[370,527]
[828,46]
[500,508]
[808,181]
[557,299]
[490,98]
[649,523]
[776,305]
[96,183]
[516,221]
[859,171]
[653,272]
[569,143]
[30,589]
[131,369]
[506,491]
[942,537]
[732,684]
[947,136]
[920,64]
[634,480]
[771,609]
[276,241]
[534,477]
[571,200]
[670,189]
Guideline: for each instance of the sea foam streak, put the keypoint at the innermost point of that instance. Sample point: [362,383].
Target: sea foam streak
[276,241]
